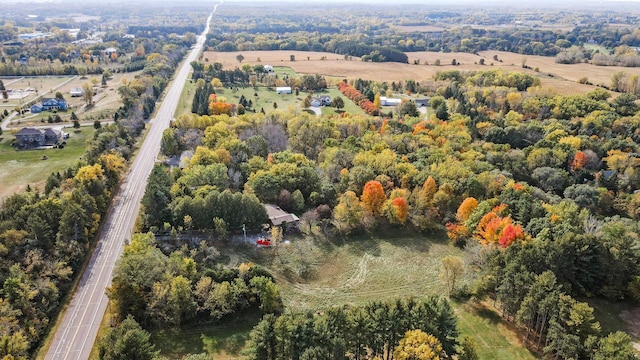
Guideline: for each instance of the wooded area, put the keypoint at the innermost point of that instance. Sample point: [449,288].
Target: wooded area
[539,191]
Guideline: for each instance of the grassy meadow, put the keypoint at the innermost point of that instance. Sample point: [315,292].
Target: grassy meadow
[26,167]
[316,273]
[266,97]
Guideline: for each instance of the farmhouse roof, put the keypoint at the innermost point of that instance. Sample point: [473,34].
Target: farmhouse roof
[28,131]
[52,132]
[277,216]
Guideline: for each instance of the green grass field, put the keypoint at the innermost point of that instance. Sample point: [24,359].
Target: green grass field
[186,99]
[224,342]
[20,168]
[266,97]
[495,339]
[594,47]
[610,315]
[315,274]
[284,70]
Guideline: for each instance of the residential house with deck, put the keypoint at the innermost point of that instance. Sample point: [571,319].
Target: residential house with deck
[30,137]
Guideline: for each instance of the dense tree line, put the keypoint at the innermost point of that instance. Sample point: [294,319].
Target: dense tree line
[44,238]
[186,286]
[246,31]
[140,94]
[57,59]
[356,332]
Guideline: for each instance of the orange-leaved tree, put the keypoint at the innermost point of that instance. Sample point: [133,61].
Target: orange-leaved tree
[465,209]
[496,227]
[510,234]
[579,161]
[399,211]
[373,197]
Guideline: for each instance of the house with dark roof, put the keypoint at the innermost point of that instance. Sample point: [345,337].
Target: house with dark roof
[30,137]
[323,100]
[422,102]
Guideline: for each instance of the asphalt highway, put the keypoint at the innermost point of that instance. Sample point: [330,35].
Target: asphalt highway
[78,329]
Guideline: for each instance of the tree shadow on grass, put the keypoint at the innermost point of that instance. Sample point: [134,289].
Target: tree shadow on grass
[228,337]
[482,310]
[489,315]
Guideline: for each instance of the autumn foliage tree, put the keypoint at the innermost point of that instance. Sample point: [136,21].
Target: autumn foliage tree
[348,212]
[579,161]
[458,233]
[397,208]
[218,107]
[373,198]
[497,228]
[418,345]
[465,209]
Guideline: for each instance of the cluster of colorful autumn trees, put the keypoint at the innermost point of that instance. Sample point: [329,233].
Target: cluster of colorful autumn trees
[528,181]
[496,227]
[356,96]
[219,106]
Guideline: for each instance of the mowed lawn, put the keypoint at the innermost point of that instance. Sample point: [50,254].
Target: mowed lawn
[22,168]
[315,274]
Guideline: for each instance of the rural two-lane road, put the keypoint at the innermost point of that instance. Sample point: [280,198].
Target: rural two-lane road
[78,329]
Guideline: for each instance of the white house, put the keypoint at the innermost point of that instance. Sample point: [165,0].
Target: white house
[283,90]
[384,101]
[268,69]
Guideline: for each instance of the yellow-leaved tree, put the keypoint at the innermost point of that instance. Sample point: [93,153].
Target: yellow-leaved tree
[418,345]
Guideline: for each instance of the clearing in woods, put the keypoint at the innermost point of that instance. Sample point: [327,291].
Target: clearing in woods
[315,274]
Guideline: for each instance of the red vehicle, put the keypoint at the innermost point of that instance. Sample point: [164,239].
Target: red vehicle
[263,242]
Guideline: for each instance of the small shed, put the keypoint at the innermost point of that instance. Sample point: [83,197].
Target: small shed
[385,101]
[76,92]
[283,90]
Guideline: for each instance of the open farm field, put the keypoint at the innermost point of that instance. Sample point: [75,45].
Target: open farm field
[22,168]
[598,75]
[420,28]
[561,77]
